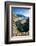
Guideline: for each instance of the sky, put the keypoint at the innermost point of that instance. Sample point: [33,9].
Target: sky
[20,11]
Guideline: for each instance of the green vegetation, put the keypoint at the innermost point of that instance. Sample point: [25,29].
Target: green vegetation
[23,27]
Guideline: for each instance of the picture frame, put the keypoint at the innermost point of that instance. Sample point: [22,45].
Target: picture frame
[14,9]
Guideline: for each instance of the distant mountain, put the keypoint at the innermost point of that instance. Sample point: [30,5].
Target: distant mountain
[22,16]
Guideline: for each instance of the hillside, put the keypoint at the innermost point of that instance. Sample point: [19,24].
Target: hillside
[16,32]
